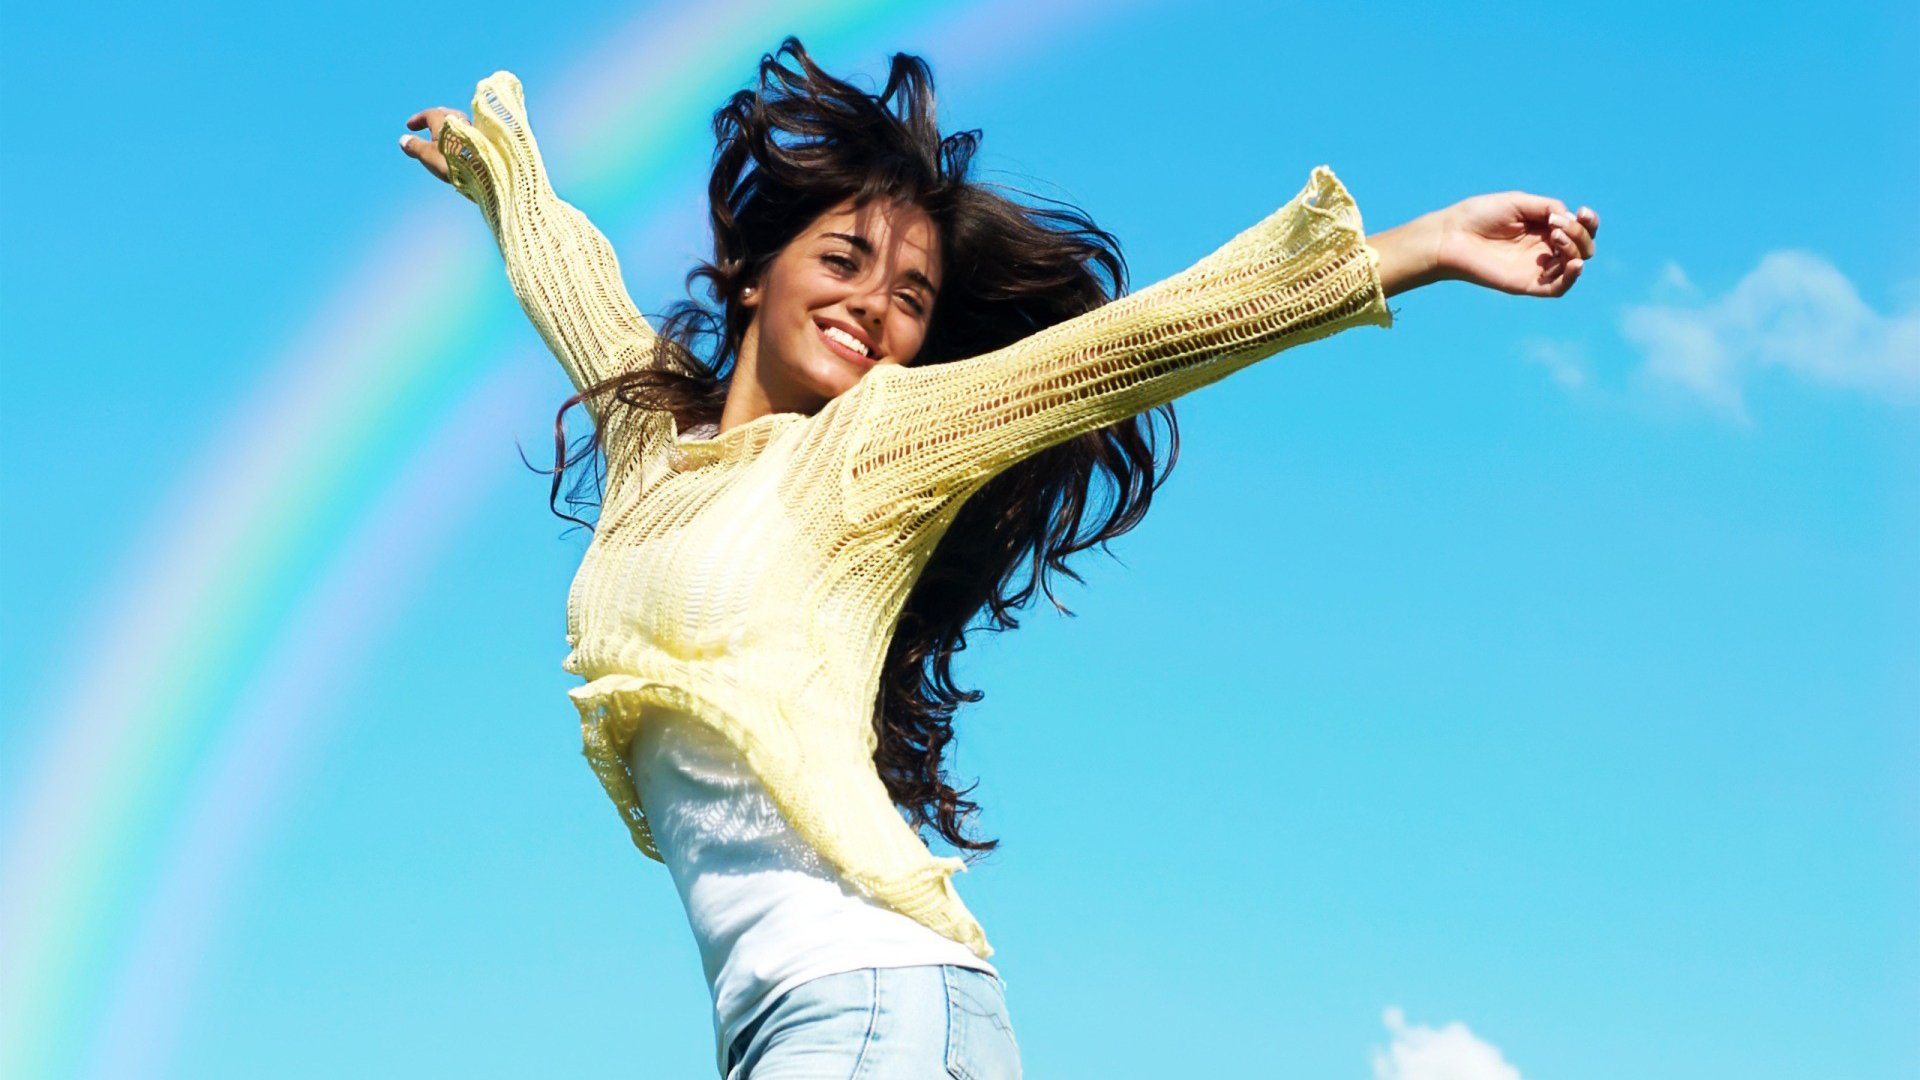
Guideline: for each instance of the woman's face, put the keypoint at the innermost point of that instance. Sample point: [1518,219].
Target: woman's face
[871,274]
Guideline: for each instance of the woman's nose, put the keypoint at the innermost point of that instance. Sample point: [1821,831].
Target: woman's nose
[869,308]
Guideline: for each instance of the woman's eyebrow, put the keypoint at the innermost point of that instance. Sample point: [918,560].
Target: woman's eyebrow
[861,244]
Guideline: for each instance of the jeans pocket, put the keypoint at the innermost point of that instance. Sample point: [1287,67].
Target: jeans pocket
[826,1021]
[980,1039]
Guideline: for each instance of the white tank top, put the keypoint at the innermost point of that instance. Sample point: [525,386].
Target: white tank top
[767,912]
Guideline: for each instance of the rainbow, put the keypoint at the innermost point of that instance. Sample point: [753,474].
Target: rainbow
[268,572]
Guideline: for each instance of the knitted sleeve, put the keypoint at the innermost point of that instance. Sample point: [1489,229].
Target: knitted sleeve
[923,434]
[561,268]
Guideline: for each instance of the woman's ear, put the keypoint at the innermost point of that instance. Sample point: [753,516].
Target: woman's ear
[750,296]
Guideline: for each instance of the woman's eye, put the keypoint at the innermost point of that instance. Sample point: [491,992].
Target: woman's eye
[840,261]
[913,302]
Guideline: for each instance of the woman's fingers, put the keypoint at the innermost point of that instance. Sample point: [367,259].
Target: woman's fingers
[422,151]
[432,120]
[1576,231]
[1572,237]
[1572,275]
[1560,244]
[1552,266]
[1558,276]
[426,150]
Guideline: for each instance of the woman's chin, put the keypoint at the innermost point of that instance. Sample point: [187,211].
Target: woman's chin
[834,377]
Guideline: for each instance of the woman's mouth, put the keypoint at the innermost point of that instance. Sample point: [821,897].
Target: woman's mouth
[844,350]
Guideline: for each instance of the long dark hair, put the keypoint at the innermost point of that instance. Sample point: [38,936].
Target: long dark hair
[799,144]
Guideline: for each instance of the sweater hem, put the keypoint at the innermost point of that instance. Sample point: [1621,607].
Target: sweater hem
[611,709]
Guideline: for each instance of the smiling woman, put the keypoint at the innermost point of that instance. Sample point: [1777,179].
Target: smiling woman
[915,381]
[860,280]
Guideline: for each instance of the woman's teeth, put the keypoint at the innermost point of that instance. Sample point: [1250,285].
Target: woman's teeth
[834,333]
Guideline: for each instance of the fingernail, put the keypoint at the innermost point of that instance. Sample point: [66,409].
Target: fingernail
[1557,218]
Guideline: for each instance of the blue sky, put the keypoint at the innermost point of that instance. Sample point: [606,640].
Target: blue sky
[1542,667]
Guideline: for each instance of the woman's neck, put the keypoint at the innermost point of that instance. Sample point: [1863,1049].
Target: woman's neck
[748,398]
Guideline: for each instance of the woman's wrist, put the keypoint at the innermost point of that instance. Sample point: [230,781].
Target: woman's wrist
[1410,253]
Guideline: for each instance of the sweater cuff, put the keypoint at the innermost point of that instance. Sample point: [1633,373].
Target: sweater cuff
[467,167]
[1336,213]
[496,148]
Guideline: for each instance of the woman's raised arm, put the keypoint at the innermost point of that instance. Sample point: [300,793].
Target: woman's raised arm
[923,434]
[562,269]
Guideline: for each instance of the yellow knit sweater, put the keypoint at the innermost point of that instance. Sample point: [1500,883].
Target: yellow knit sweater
[754,579]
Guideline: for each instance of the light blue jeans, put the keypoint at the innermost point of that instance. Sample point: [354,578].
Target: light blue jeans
[882,1024]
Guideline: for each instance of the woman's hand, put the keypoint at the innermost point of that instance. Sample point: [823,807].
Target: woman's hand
[426,150]
[1529,245]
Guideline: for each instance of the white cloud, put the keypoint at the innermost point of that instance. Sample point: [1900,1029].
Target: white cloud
[1566,360]
[1450,1052]
[1674,279]
[1793,312]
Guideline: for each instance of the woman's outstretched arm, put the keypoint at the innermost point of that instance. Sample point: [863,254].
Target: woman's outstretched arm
[925,434]
[561,267]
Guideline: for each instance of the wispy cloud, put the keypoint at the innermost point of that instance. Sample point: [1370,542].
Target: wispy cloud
[1794,311]
[1566,360]
[1450,1052]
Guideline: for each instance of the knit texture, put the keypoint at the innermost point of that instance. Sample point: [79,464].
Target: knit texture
[754,579]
